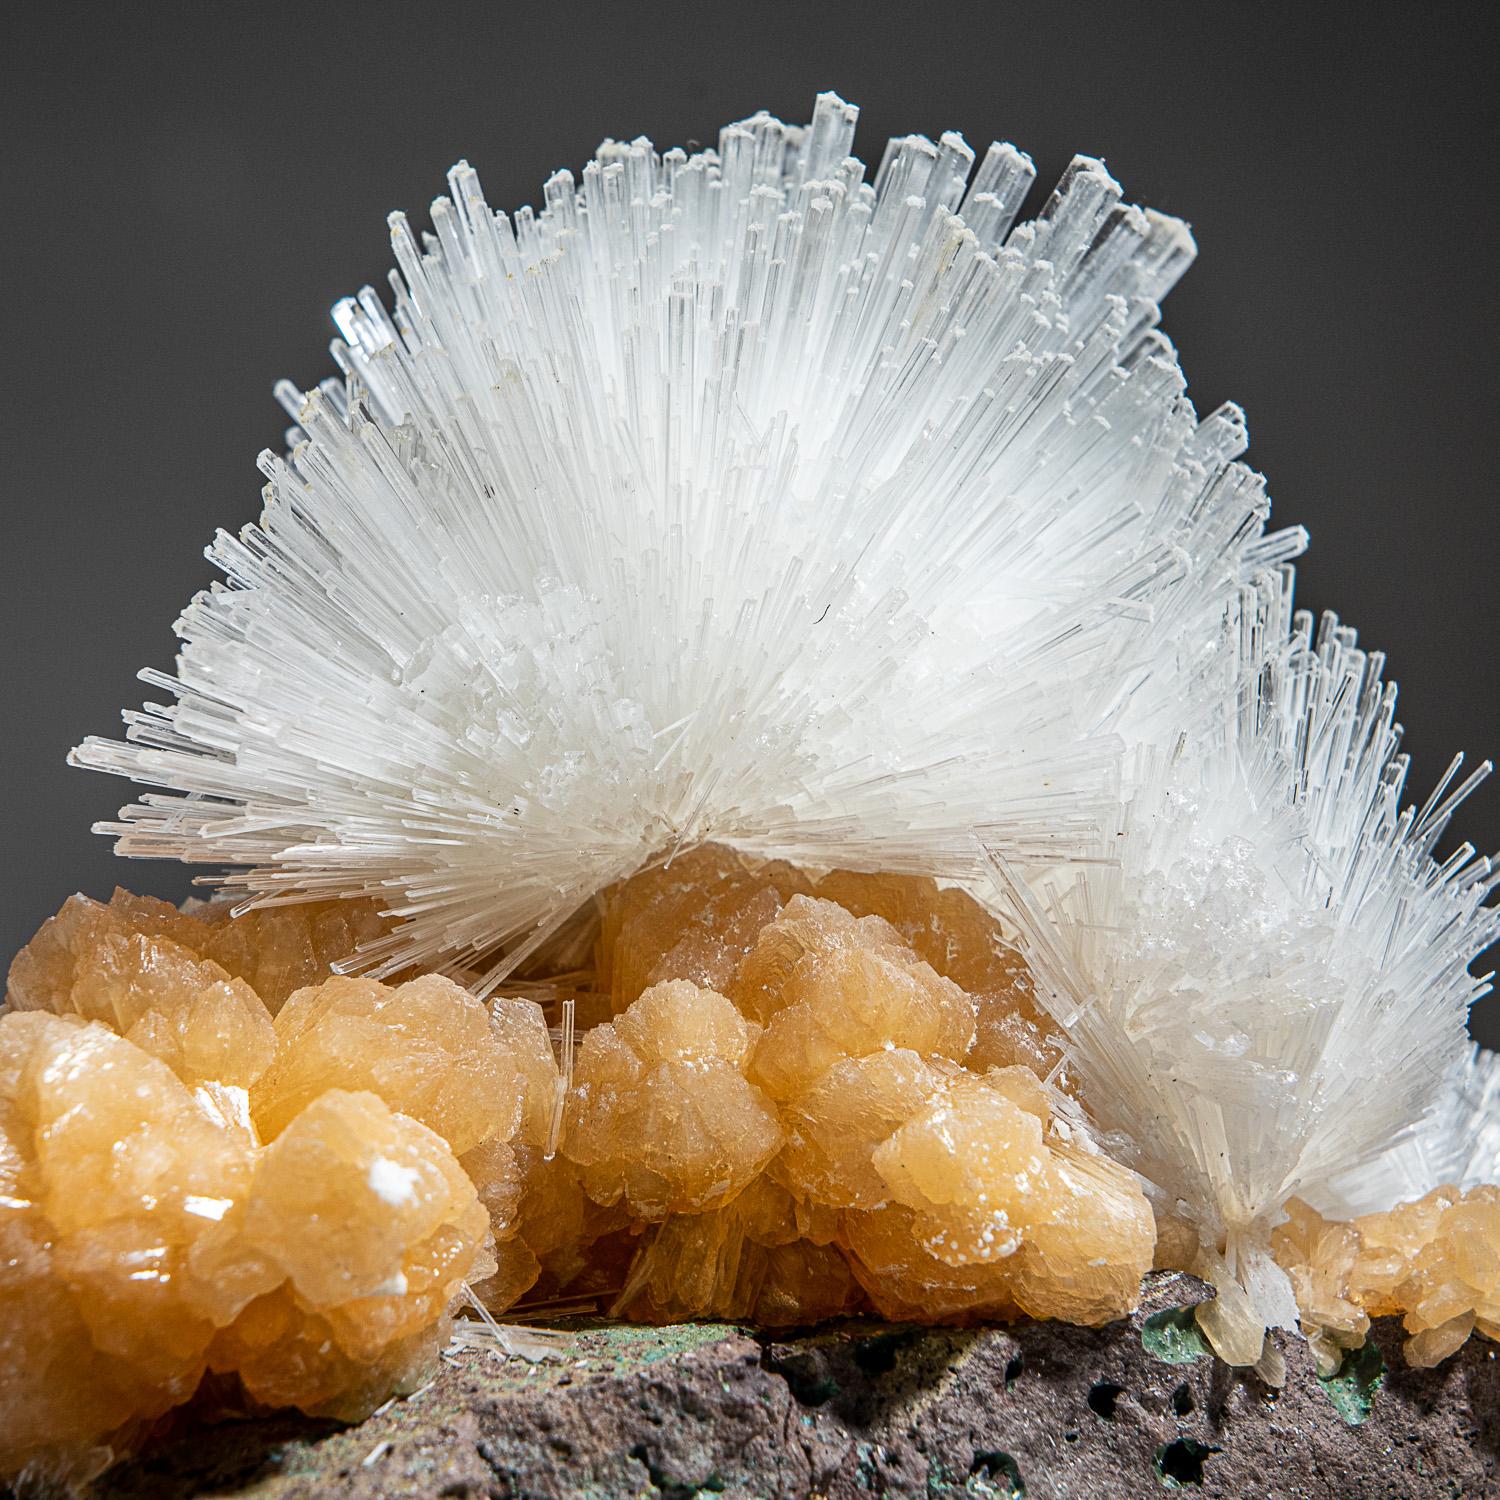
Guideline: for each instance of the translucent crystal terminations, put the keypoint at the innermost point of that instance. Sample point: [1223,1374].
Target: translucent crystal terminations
[675,511]
[1458,1142]
[1435,1261]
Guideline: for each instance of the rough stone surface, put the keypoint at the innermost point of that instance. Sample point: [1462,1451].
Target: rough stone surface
[867,1409]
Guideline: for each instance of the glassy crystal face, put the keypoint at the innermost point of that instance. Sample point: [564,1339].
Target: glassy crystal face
[427,1047]
[142,969]
[662,1113]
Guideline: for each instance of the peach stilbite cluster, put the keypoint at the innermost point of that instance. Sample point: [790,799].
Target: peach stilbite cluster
[788,1107]
[813,1097]
[1434,1262]
[794,1097]
[191,1187]
[92,958]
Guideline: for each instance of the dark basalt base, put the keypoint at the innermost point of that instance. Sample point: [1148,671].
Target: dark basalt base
[1041,1409]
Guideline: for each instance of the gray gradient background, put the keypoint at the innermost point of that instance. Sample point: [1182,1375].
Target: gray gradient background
[187,189]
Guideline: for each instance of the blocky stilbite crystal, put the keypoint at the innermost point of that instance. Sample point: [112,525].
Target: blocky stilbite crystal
[662,1113]
[1003,1210]
[427,1047]
[133,965]
[1435,1262]
[907,1168]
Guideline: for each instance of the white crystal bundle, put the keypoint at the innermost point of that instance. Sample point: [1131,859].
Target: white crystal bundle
[731,496]
[1264,977]
[735,497]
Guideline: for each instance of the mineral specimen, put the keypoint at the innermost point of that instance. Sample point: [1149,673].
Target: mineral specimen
[824,1127]
[279,949]
[427,1047]
[111,1176]
[338,1265]
[755,1259]
[694,917]
[741,496]
[662,1113]
[1260,922]
[295,1204]
[795,631]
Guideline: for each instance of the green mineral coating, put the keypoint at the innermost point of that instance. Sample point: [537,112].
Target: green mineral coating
[939,1478]
[634,1344]
[1353,1386]
[1174,1336]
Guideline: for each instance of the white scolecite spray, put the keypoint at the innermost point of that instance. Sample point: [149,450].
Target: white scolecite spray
[1264,977]
[733,496]
[1461,1134]
[1457,1143]
[730,497]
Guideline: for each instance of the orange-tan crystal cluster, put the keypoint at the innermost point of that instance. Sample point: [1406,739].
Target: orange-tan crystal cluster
[225,1168]
[792,1098]
[1434,1262]
[196,1191]
[817,1096]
